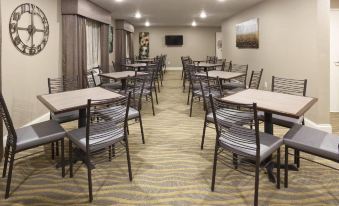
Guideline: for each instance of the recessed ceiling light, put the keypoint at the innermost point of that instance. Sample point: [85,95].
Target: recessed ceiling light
[137,15]
[119,0]
[203,14]
[194,23]
[221,0]
[147,23]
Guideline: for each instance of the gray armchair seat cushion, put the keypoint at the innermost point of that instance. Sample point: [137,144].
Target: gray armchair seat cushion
[66,116]
[228,122]
[102,139]
[313,141]
[268,145]
[215,94]
[39,134]
[234,91]
[282,120]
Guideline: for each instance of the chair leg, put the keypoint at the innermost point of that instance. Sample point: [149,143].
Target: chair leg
[191,105]
[70,153]
[297,157]
[89,174]
[156,94]
[203,134]
[158,84]
[127,129]
[110,153]
[188,95]
[113,150]
[256,184]
[141,129]
[52,150]
[57,148]
[152,103]
[235,161]
[286,167]
[6,161]
[278,168]
[128,160]
[214,166]
[63,158]
[9,178]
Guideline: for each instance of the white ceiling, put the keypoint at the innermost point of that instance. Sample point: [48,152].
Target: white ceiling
[175,12]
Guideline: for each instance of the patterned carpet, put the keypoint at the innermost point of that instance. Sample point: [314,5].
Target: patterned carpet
[170,169]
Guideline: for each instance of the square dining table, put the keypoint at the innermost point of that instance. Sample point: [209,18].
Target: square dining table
[122,76]
[222,75]
[137,66]
[273,103]
[75,100]
[207,66]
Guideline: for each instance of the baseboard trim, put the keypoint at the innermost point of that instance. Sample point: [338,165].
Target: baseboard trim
[323,127]
[174,68]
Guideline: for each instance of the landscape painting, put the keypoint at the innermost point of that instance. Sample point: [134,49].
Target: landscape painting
[248,34]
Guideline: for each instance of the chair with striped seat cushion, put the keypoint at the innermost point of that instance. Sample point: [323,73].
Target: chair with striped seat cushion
[240,147]
[106,126]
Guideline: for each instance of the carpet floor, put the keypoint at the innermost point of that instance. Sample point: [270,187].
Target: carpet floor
[170,169]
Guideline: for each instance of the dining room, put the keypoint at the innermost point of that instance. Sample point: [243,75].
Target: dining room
[172,102]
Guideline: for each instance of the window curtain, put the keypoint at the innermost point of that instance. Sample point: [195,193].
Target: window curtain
[120,48]
[93,44]
[104,29]
[74,50]
[130,44]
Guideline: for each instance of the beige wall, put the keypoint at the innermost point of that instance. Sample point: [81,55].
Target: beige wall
[294,43]
[199,42]
[25,77]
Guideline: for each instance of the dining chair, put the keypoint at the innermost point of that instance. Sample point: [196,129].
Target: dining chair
[106,126]
[185,64]
[26,138]
[149,85]
[184,60]
[292,87]
[57,85]
[135,85]
[194,86]
[239,147]
[240,81]
[253,84]
[208,87]
[105,83]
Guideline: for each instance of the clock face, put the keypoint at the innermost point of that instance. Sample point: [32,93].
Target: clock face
[29,29]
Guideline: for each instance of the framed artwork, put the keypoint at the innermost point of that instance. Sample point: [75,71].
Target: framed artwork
[110,39]
[247,34]
[144,45]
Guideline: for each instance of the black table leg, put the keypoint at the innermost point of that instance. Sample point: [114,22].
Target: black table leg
[82,118]
[123,84]
[268,127]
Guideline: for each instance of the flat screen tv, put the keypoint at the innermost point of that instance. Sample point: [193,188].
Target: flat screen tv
[174,40]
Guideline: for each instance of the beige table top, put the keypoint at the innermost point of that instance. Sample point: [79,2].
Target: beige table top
[138,65]
[222,74]
[204,65]
[121,75]
[74,100]
[144,60]
[276,103]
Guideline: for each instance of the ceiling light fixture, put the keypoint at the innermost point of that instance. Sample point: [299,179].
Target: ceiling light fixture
[119,0]
[194,23]
[147,23]
[137,15]
[203,14]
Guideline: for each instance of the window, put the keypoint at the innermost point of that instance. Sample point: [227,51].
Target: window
[93,44]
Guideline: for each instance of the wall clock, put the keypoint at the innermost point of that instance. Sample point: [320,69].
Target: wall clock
[29,29]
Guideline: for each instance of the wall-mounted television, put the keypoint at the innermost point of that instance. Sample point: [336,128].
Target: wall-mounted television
[174,40]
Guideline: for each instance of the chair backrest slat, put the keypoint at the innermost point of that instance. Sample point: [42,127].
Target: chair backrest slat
[289,86]
[255,79]
[5,116]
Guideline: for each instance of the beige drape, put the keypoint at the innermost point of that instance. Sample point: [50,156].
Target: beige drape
[120,48]
[104,47]
[1,123]
[130,44]
[74,51]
